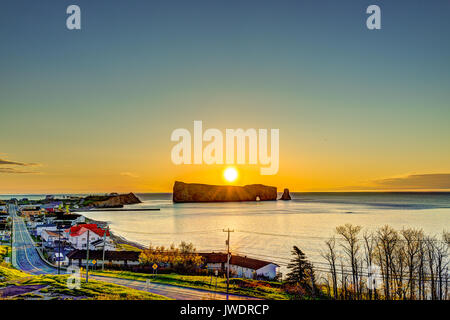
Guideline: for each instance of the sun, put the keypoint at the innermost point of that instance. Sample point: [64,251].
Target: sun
[230,174]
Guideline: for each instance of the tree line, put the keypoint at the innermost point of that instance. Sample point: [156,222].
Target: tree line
[386,264]
[181,259]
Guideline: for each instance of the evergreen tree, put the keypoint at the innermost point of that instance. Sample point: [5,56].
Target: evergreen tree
[301,271]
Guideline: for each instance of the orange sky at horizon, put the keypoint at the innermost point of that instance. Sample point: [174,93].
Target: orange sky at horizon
[160,178]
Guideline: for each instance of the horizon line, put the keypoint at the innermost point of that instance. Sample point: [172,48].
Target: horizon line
[170,192]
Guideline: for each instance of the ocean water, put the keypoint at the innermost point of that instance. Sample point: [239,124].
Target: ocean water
[268,230]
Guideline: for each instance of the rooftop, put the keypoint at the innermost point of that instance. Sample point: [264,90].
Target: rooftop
[78,230]
[236,260]
[109,255]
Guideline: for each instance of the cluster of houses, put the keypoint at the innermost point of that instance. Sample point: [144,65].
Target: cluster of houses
[60,233]
[65,236]
[4,227]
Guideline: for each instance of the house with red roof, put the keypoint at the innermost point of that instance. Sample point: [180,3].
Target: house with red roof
[78,237]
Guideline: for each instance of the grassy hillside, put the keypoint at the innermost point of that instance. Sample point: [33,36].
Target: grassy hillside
[56,286]
[94,290]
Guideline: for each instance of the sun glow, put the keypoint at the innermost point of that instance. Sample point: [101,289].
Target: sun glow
[230,174]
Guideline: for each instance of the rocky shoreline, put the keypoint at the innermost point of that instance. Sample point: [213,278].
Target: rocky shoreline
[116,238]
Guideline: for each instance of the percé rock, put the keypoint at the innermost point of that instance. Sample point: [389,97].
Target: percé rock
[286,195]
[195,192]
[117,201]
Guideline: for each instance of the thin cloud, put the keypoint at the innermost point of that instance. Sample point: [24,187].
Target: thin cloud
[417,181]
[432,181]
[17,163]
[16,171]
[129,174]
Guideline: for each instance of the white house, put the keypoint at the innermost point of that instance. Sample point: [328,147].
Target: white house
[77,236]
[241,267]
[98,245]
[63,260]
[45,226]
[50,236]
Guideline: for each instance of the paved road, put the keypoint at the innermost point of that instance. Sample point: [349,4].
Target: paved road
[26,258]
[25,255]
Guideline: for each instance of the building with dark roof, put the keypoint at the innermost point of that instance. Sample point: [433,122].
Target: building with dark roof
[240,266]
[125,258]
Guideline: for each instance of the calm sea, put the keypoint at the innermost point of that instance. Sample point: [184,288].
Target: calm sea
[268,230]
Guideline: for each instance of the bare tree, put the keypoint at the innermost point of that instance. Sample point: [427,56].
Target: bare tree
[387,241]
[331,257]
[369,243]
[412,238]
[441,255]
[351,247]
[412,264]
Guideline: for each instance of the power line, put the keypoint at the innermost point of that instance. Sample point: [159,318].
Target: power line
[326,238]
[168,233]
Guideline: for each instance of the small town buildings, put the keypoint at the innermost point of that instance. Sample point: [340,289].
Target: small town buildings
[3,216]
[71,219]
[28,211]
[98,245]
[53,206]
[241,266]
[61,258]
[116,258]
[51,236]
[44,226]
[4,231]
[77,236]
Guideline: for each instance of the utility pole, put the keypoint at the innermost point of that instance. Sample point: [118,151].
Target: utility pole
[11,229]
[87,257]
[59,248]
[228,258]
[104,245]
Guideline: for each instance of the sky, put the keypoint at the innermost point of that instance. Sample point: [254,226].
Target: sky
[92,110]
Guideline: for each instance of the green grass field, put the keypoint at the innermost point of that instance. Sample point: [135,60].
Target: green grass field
[252,288]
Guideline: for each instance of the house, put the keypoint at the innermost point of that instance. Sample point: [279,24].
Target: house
[61,258]
[98,245]
[77,236]
[4,230]
[71,219]
[44,226]
[51,236]
[118,258]
[53,206]
[241,266]
[28,211]
[3,217]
